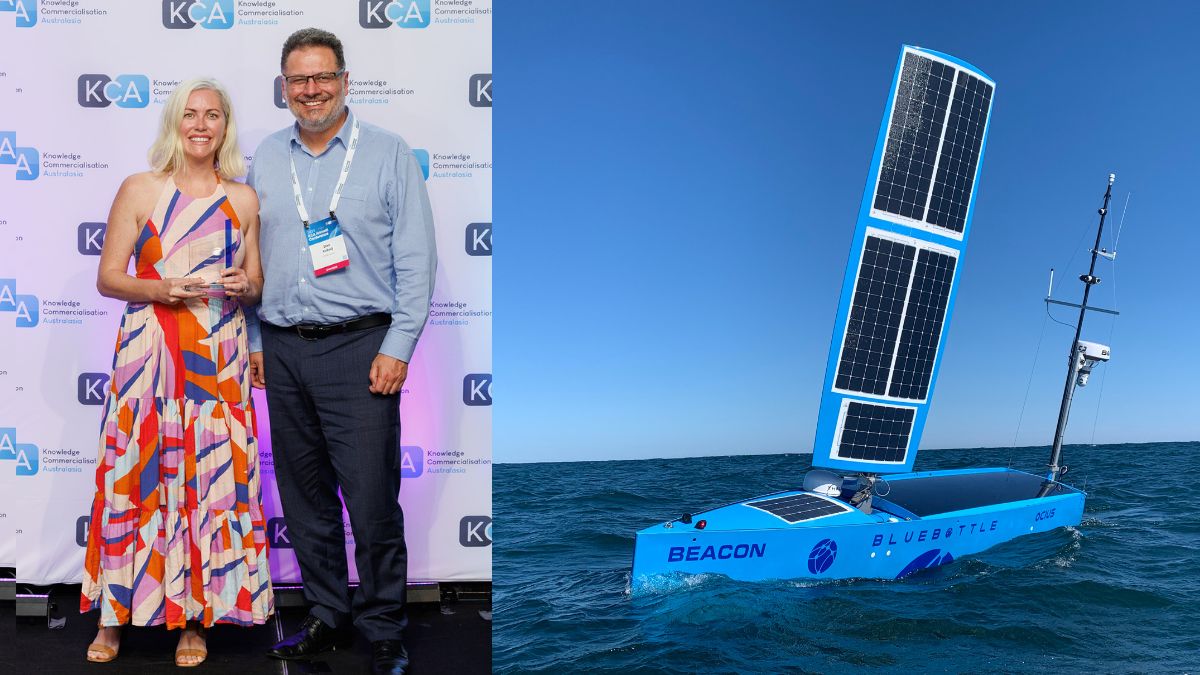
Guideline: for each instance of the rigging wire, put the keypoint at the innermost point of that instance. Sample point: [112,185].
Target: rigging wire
[1100,397]
[1029,385]
[1121,226]
[1050,316]
[1041,337]
[1081,246]
[1104,375]
[1113,323]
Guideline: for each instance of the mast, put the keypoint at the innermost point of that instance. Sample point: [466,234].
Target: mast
[1075,358]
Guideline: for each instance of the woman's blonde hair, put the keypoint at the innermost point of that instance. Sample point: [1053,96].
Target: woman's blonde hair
[166,155]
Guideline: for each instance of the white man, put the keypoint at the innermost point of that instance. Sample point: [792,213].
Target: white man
[348,263]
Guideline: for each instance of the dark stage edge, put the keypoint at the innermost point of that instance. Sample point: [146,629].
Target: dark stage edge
[451,636]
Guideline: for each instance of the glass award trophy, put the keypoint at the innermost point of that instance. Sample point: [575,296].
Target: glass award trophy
[208,263]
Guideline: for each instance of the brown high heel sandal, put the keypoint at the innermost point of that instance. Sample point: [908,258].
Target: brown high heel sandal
[189,651]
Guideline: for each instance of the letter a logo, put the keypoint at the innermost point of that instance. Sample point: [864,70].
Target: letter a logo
[8,443]
[8,147]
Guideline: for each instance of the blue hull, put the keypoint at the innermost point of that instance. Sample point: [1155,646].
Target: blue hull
[924,520]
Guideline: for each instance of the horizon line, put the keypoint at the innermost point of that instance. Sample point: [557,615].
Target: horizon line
[809,452]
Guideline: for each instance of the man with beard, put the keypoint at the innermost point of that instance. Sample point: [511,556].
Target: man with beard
[348,261]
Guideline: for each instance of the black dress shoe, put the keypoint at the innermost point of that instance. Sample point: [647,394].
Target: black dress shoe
[388,657]
[314,637]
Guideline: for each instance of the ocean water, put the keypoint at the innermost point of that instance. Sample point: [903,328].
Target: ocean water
[1118,594]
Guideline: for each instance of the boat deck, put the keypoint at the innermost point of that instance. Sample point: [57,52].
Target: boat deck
[930,493]
[911,496]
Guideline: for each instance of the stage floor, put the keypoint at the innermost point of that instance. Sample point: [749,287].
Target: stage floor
[446,637]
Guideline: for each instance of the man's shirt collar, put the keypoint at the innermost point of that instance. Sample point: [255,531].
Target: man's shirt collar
[343,134]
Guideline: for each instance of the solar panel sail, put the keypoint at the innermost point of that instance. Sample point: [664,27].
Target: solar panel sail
[899,286]
[934,138]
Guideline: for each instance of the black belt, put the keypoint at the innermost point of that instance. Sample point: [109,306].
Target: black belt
[312,331]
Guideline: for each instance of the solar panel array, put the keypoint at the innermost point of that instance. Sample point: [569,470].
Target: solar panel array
[923,317]
[883,278]
[933,143]
[877,357]
[876,433]
[900,284]
[960,153]
[797,508]
[913,137]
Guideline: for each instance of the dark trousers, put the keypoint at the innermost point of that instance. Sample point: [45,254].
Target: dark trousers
[329,431]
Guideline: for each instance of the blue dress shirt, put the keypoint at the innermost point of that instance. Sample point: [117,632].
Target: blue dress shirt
[385,216]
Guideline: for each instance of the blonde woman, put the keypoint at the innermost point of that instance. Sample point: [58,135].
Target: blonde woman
[177,532]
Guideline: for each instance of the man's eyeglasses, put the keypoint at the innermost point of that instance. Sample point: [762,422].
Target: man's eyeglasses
[297,81]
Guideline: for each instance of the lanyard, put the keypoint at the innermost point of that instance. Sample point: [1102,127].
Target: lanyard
[337,190]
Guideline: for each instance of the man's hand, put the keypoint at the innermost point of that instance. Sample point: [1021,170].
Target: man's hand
[387,375]
[258,377]
[236,282]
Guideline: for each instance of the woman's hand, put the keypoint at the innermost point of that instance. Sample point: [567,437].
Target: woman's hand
[174,291]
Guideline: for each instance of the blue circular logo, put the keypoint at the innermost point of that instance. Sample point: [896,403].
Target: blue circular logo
[822,556]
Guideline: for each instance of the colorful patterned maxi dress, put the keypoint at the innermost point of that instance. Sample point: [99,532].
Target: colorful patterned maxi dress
[177,531]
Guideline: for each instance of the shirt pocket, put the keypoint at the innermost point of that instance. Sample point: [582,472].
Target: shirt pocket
[361,205]
[354,193]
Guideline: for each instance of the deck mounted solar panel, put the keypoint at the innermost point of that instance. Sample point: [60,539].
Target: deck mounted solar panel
[923,318]
[898,290]
[875,433]
[797,508]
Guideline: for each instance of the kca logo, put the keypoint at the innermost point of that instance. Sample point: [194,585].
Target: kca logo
[474,531]
[26,160]
[26,307]
[479,239]
[90,388]
[26,11]
[280,101]
[385,13]
[477,389]
[99,91]
[480,93]
[277,533]
[8,443]
[90,239]
[26,455]
[412,461]
[181,14]
[27,459]
[422,159]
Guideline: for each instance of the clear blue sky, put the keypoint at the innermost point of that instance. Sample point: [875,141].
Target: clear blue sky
[677,184]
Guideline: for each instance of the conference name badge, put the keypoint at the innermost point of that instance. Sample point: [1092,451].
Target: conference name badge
[327,246]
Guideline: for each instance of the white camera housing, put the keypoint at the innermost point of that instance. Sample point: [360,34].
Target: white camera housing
[1087,355]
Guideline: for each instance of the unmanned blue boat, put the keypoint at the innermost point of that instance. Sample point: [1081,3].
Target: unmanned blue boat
[861,511]
[927,519]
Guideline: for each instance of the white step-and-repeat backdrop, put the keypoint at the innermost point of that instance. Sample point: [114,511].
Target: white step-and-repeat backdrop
[82,84]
